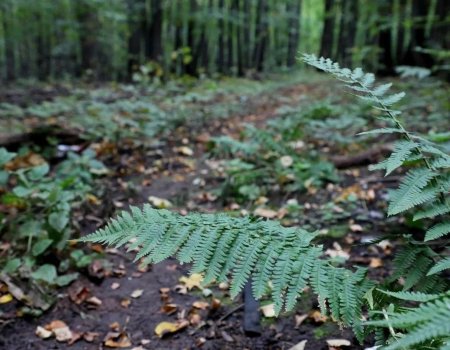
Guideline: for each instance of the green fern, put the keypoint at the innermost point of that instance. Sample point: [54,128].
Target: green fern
[427,325]
[219,245]
[424,188]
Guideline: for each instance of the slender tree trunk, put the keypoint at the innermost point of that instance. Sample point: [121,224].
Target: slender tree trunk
[137,24]
[261,34]
[87,19]
[294,9]
[9,45]
[153,47]
[221,41]
[326,45]
[347,32]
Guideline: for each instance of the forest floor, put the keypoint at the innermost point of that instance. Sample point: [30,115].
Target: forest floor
[185,166]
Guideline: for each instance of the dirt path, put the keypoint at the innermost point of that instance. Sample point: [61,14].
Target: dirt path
[128,304]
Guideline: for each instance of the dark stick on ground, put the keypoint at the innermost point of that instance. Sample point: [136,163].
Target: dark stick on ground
[252,317]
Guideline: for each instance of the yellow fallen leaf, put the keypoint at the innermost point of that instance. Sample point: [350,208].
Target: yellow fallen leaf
[192,281]
[159,203]
[164,328]
[186,151]
[376,262]
[6,298]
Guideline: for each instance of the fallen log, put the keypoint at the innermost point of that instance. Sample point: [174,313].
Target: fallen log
[370,156]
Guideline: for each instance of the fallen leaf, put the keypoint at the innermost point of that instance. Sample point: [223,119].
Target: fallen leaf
[159,203]
[194,319]
[115,286]
[228,338]
[265,213]
[4,299]
[137,293]
[55,324]
[186,151]
[125,302]
[117,340]
[317,316]
[193,281]
[299,319]
[215,304]
[268,310]
[90,336]
[299,346]
[286,161]
[375,262]
[63,334]
[169,309]
[94,301]
[164,328]
[43,333]
[78,293]
[202,305]
[356,228]
[337,343]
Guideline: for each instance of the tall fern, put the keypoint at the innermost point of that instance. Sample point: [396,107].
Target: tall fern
[424,189]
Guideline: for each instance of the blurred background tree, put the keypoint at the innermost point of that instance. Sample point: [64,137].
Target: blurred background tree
[119,39]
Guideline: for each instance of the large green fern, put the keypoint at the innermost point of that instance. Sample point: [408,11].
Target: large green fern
[218,246]
[424,188]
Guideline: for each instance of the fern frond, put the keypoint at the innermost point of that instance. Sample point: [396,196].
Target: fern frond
[402,150]
[411,191]
[219,245]
[428,322]
[432,211]
[440,266]
[412,296]
[438,231]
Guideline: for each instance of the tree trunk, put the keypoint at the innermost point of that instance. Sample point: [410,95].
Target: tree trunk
[326,45]
[347,32]
[294,9]
[153,45]
[137,24]
[261,34]
[221,41]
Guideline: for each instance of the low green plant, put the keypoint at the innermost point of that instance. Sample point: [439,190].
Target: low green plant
[38,213]
[220,246]
[264,160]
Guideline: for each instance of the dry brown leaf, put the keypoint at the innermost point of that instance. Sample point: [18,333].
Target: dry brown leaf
[375,262]
[117,340]
[63,334]
[90,336]
[202,305]
[115,286]
[169,309]
[26,161]
[193,281]
[265,213]
[317,316]
[43,333]
[215,304]
[164,328]
[78,293]
[125,303]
